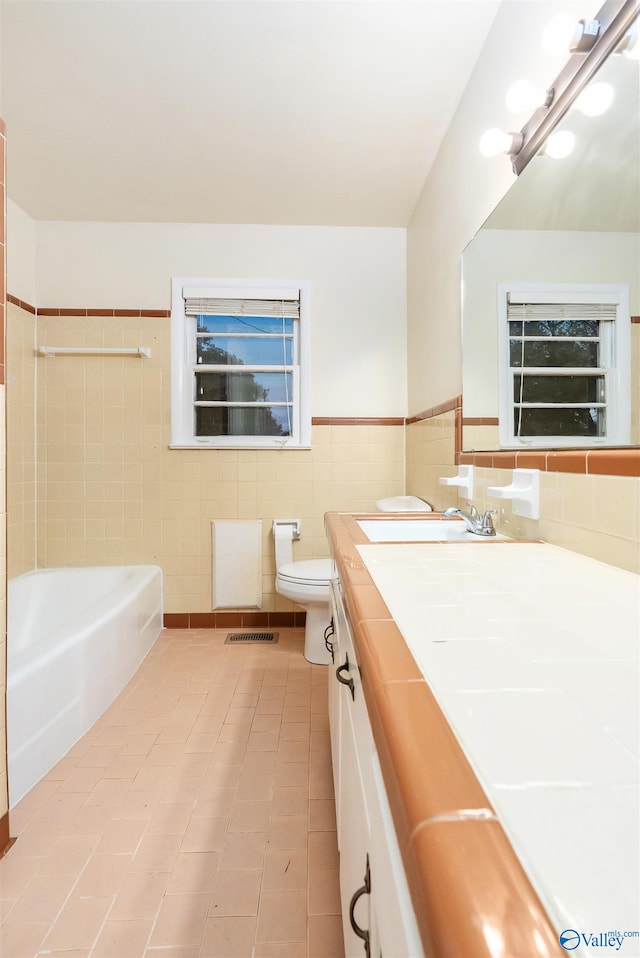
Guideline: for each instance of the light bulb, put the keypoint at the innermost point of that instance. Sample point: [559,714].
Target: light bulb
[630,45]
[523,96]
[595,99]
[560,144]
[558,34]
[496,141]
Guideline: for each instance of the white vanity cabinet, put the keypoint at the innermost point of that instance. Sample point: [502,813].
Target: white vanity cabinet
[377,914]
[394,927]
[449,766]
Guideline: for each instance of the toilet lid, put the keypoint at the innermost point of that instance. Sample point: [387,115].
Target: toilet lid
[308,571]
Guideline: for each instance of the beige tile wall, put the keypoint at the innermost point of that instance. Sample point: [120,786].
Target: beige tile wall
[430,455]
[4,799]
[598,516]
[21,444]
[111,491]
[4,795]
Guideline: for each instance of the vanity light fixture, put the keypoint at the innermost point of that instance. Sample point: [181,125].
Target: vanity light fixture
[524,96]
[584,36]
[613,29]
[558,145]
[562,33]
[496,141]
[558,34]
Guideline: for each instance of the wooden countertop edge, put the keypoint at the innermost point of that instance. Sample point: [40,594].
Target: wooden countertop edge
[464,876]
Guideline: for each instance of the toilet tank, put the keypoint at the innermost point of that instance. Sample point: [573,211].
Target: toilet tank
[402,504]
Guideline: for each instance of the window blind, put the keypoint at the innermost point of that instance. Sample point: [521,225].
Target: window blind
[264,302]
[565,311]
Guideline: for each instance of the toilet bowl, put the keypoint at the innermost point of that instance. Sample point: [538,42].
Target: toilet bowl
[306,583]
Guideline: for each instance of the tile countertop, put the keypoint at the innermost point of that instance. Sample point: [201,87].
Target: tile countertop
[529,654]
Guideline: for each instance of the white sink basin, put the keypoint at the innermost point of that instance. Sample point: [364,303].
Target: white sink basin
[420,530]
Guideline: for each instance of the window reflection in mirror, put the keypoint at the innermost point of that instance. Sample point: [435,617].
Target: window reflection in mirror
[575,220]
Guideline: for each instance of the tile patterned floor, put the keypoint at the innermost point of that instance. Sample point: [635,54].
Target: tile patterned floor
[194,820]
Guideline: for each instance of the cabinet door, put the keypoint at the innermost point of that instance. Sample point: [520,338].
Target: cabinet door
[349,689]
[373,888]
[394,928]
[352,746]
[335,704]
[354,840]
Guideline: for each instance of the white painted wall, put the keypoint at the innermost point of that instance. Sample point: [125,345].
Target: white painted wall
[358,289]
[375,342]
[21,254]
[463,188]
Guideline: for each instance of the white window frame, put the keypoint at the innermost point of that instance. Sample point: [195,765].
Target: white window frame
[183,336]
[615,361]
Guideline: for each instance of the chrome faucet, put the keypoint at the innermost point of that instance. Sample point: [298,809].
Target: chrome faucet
[479,525]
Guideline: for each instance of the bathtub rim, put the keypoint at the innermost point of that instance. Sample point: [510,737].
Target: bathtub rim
[57,636]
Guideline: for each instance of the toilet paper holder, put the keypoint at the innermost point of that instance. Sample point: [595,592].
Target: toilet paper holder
[294,523]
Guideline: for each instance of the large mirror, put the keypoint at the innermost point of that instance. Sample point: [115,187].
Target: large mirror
[564,221]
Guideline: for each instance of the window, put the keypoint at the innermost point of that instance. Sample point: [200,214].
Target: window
[240,364]
[564,365]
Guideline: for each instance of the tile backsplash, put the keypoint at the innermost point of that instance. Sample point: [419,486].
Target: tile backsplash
[596,515]
[4,797]
[21,439]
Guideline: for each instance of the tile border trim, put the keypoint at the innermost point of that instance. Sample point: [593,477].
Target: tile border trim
[62,311]
[358,421]
[480,421]
[233,620]
[5,836]
[88,312]
[447,406]
[590,462]
[21,303]
[622,461]
[415,808]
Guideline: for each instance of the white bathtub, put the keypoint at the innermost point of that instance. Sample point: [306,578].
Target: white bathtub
[74,639]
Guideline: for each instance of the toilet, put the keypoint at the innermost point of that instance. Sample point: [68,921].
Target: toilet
[402,504]
[306,583]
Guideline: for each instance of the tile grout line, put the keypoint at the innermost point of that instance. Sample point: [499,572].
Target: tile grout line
[249,681]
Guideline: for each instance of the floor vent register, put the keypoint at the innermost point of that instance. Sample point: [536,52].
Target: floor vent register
[233,637]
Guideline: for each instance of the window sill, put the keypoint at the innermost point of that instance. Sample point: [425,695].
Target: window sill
[211,445]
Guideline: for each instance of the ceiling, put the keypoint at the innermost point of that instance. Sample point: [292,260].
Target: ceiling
[323,112]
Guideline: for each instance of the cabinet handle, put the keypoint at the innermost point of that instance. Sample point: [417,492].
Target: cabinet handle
[355,898]
[348,682]
[329,631]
